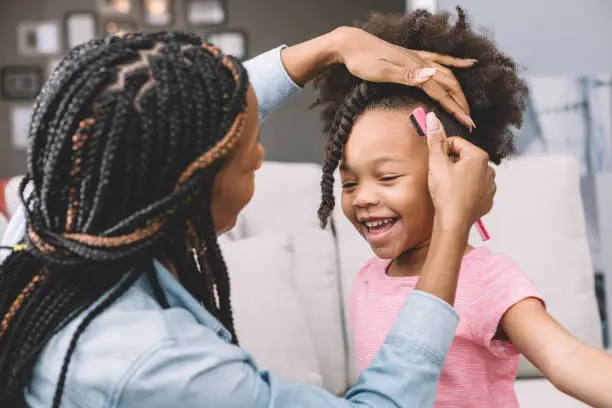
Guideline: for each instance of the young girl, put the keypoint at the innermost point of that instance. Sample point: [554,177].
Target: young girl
[384,170]
[142,150]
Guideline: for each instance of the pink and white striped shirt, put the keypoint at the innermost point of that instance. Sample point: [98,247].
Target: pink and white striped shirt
[479,371]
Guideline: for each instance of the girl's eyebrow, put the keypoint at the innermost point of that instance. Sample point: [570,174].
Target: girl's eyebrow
[375,163]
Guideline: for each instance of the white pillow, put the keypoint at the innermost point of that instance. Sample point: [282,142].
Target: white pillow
[317,282]
[270,320]
[286,195]
[11,195]
[3,225]
[538,220]
[353,253]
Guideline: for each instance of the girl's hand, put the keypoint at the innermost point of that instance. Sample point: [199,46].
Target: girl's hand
[372,59]
[461,182]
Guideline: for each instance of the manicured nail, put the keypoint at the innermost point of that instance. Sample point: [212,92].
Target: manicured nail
[467,120]
[473,125]
[425,74]
[433,123]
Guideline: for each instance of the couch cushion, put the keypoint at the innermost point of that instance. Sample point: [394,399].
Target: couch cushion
[538,221]
[317,282]
[11,195]
[353,253]
[270,320]
[286,195]
[3,183]
[3,225]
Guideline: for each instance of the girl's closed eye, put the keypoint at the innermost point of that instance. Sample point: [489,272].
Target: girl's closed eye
[347,185]
[389,178]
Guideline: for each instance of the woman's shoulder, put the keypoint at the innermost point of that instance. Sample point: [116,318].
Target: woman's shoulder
[111,348]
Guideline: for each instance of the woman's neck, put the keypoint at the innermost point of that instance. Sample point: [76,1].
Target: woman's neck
[411,262]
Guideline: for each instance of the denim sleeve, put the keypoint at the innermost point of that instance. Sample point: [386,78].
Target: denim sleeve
[201,370]
[271,83]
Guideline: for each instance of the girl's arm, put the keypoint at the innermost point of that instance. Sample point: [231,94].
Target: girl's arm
[573,367]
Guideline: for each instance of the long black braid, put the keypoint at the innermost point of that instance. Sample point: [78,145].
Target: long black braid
[338,134]
[126,138]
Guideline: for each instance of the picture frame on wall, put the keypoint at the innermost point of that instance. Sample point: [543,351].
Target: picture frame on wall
[41,38]
[80,27]
[111,27]
[158,13]
[204,13]
[114,7]
[233,42]
[21,82]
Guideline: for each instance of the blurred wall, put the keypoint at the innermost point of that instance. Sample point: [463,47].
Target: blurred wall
[548,37]
[292,135]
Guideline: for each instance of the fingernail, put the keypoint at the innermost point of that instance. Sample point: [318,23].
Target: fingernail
[472,122]
[472,60]
[467,120]
[425,73]
[433,123]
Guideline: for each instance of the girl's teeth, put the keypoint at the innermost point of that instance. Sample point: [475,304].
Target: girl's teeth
[378,223]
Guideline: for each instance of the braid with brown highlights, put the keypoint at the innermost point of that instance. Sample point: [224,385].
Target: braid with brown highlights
[493,88]
[338,134]
[126,139]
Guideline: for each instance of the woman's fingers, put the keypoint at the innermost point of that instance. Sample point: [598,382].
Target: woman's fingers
[437,92]
[448,81]
[465,150]
[446,60]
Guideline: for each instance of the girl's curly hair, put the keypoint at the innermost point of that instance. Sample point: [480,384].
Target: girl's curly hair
[495,92]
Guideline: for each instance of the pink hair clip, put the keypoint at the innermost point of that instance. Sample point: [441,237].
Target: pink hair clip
[418,119]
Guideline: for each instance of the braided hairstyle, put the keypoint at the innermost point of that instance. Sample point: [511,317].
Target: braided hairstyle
[495,92]
[126,138]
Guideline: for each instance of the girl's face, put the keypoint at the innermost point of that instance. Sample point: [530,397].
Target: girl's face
[235,183]
[384,182]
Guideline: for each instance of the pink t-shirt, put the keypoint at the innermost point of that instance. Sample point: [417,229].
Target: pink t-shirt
[479,371]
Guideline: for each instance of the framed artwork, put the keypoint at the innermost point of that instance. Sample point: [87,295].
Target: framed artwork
[38,38]
[201,13]
[232,42]
[80,26]
[114,7]
[158,13]
[21,82]
[114,26]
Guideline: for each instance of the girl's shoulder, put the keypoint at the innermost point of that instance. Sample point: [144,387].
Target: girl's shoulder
[486,273]
[375,268]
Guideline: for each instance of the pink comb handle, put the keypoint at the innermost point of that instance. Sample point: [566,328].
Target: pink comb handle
[421,117]
[484,234]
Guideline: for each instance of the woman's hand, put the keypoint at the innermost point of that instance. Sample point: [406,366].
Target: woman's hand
[372,59]
[462,187]
[461,182]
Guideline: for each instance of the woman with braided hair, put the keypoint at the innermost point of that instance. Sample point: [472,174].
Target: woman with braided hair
[142,149]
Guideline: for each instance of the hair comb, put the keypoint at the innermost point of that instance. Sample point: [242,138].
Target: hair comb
[418,117]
